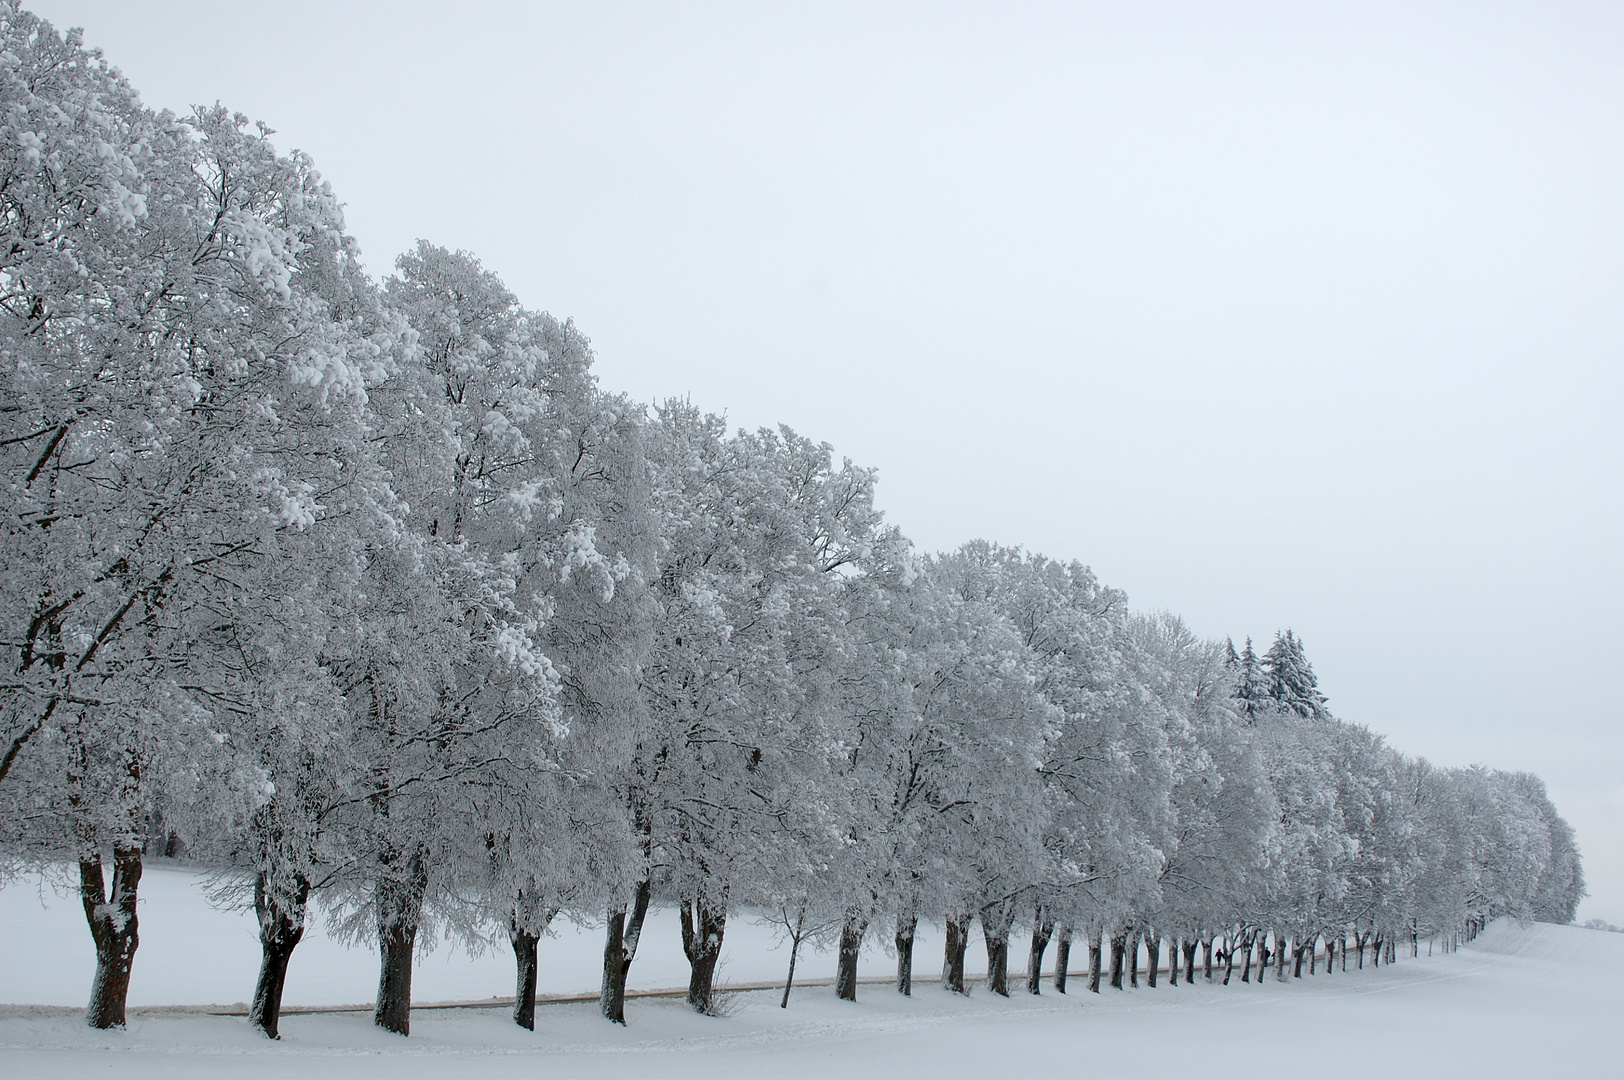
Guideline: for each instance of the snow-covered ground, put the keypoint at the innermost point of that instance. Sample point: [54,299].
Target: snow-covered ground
[1521,1001]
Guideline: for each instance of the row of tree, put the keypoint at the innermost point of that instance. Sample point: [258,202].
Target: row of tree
[369,592]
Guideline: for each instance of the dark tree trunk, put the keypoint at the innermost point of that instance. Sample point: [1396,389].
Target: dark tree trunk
[1094,962]
[906,925]
[524,991]
[281,927]
[995,920]
[400,906]
[1313,954]
[1376,952]
[1042,930]
[851,944]
[1173,961]
[958,939]
[703,924]
[1297,959]
[789,979]
[1246,956]
[113,928]
[527,921]
[1153,956]
[393,1011]
[619,949]
[1229,957]
[1119,954]
[1280,956]
[1133,959]
[1206,959]
[1189,961]
[1062,958]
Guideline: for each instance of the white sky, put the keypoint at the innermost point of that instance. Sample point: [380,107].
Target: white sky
[1276,315]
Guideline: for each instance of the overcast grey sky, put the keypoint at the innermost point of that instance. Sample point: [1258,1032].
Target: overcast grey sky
[1300,315]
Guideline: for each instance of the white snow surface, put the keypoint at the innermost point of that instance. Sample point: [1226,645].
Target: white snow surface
[1521,1001]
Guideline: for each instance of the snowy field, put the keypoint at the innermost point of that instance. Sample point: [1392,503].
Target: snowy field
[1521,1001]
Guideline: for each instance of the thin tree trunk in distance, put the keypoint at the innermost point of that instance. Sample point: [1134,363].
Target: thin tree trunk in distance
[796,933]
[906,925]
[281,926]
[851,944]
[1173,961]
[1062,958]
[113,927]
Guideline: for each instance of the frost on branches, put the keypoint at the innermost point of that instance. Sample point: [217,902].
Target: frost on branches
[367,595]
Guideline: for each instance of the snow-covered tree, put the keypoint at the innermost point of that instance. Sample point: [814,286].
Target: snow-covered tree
[1288,678]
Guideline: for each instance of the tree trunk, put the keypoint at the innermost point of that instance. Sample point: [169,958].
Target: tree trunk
[958,939]
[1173,961]
[1376,952]
[1042,931]
[1094,961]
[995,921]
[703,924]
[1189,962]
[1206,959]
[789,979]
[1313,954]
[524,991]
[400,906]
[619,949]
[112,922]
[906,925]
[851,944]
[1297,959]
[1119,954]
[1229,956]
[1062,958]
[1246,956]
[1153,956]
[1279,957]
[1133,959]
[281,926]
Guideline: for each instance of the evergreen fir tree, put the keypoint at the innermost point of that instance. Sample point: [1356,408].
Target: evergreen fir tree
[1289,678]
